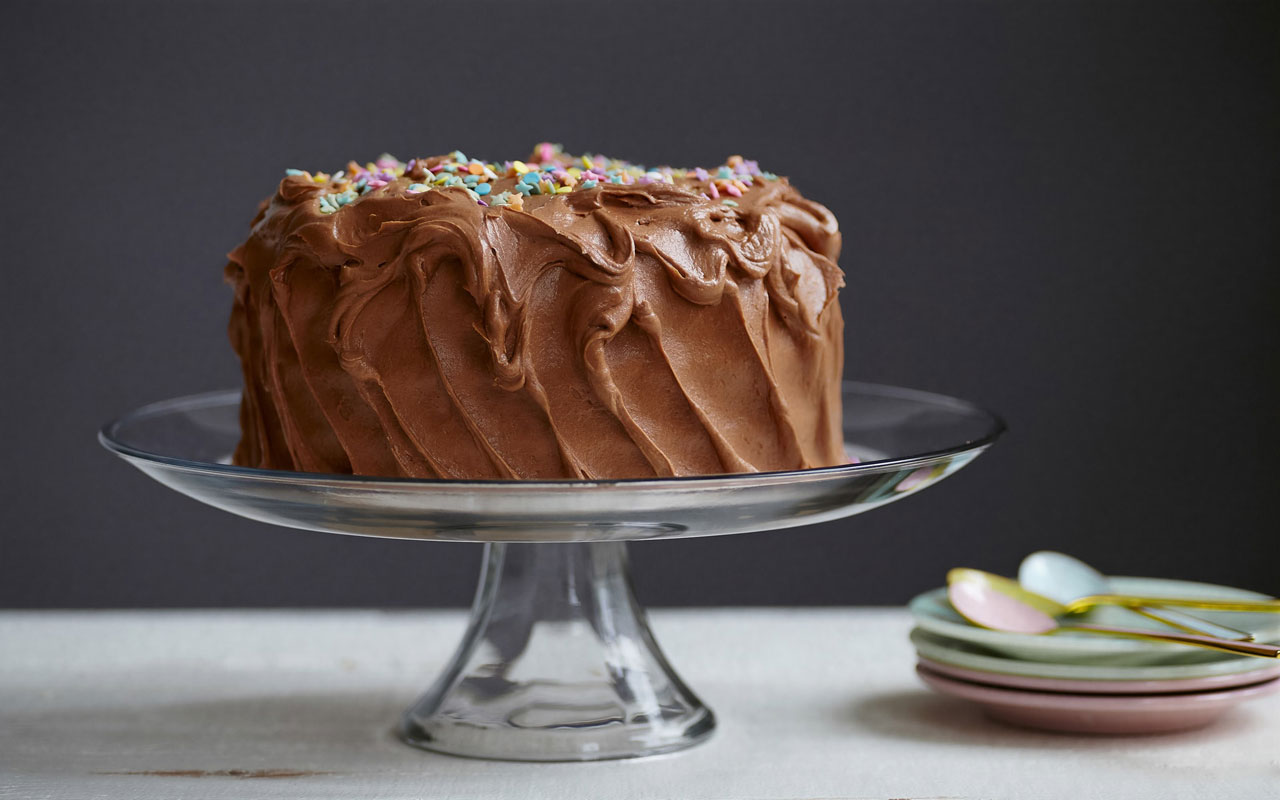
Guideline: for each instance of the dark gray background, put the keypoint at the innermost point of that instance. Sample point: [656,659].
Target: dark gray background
[1064,211]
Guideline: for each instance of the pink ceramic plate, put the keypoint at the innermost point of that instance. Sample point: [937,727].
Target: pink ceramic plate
[1076,686]
[1094,713]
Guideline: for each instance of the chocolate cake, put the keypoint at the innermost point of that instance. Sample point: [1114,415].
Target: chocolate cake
[560,317]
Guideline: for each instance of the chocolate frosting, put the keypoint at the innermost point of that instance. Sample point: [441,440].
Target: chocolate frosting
[613,331]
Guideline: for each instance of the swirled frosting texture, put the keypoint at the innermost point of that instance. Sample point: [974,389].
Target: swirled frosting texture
[620,330]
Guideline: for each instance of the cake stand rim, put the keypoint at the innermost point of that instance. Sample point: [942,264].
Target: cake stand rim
[996,427]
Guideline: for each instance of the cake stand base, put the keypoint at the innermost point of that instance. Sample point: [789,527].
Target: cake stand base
[557,664]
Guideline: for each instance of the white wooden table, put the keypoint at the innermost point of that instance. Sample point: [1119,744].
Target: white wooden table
[811,703]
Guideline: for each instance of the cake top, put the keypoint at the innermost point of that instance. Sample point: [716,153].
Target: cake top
[548,172]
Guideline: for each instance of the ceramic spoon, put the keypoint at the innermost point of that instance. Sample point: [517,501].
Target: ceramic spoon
[1065,579]
[1269,604]
[1007,586]
[986,607]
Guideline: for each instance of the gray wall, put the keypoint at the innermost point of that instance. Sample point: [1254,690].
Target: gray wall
[1066,211]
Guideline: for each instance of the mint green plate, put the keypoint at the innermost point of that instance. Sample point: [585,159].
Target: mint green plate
[956,653]
[933,613]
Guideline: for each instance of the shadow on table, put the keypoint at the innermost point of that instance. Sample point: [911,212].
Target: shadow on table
[271,736]
[924,716]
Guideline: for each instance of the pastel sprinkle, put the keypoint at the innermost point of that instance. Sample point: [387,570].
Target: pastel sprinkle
[548,173]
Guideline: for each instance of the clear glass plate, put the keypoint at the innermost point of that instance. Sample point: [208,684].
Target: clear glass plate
[558,662]
[904,440]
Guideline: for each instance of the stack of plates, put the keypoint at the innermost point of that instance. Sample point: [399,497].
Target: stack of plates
[1086,683]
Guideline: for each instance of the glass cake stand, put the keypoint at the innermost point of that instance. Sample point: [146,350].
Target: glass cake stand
[558,663]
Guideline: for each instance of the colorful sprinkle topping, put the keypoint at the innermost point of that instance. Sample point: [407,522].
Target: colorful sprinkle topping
[549,171]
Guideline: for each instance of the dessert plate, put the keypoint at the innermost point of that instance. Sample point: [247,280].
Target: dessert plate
[1101,714]
[1176,685]
[933,613]
[1204,664]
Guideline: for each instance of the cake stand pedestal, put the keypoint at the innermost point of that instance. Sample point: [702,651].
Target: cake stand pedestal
[558,663]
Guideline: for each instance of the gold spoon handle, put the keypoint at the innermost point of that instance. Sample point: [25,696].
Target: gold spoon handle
[1211,642]
[1184,602]
[1191,624]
